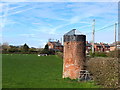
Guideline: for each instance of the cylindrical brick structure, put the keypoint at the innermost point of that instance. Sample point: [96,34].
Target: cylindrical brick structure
[74,54]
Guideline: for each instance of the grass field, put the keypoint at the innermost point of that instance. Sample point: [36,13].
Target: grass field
[31,71]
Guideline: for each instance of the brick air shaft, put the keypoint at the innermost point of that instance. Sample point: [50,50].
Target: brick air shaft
[74,54]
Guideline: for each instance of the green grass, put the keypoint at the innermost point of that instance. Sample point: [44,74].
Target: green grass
[31,71]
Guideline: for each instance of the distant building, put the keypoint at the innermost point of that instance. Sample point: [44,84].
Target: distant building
[118,47]
[112,46]
[98,47]
[55,45]
[105,47]
[88,47]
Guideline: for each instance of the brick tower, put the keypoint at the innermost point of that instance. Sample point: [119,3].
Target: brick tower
[74,54]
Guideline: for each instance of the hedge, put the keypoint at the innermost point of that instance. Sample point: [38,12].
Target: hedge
[104,71]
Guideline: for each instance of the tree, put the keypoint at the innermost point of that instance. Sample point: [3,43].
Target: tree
[25,48]
[33,50]
[39,50]
[13,49]
[46,49]
[5,47]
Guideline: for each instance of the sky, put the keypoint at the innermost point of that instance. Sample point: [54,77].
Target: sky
[36,22]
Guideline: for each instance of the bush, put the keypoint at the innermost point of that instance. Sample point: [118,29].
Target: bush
[52,52]
[98,54]
[92,54]
[59,54]
[104,71]
[44,51]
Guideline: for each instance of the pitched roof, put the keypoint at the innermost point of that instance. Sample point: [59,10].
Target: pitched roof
[74,32]
[106,45]
[97,44]
[88,45]
[56,43]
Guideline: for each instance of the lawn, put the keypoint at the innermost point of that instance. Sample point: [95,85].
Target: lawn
[31,71]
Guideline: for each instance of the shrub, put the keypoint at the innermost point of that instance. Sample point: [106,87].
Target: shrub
[52,52]
[104,71]
[92,54]
[98,54]
[59,54]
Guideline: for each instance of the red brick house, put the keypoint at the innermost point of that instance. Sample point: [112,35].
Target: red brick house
[98,47]
[55,45]
[105,47]
[112,46]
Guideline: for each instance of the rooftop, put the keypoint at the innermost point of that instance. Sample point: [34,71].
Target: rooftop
[74,32]
[56,43]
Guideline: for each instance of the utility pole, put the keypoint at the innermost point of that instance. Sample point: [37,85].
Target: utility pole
[93,36]
[115,39]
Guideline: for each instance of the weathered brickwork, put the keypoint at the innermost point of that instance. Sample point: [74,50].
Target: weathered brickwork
[74,58]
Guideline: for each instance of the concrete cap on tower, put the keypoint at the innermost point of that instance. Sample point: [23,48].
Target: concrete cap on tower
[74,32]
[74,35]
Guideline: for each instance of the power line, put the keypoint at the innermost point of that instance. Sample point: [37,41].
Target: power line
[101,28]
[105,27]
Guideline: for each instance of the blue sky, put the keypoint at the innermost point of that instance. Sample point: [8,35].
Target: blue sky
[35,22]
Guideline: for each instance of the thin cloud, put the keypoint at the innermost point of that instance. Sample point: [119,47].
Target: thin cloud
[4,20]
[17,12]
[53,29]
[42,21]
[28,35]
[16,7]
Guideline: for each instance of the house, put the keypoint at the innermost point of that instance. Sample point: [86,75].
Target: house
[118,47]
[105,47]
[55,45]
[102,47]
[98,47]
[112,47]
[88,47]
